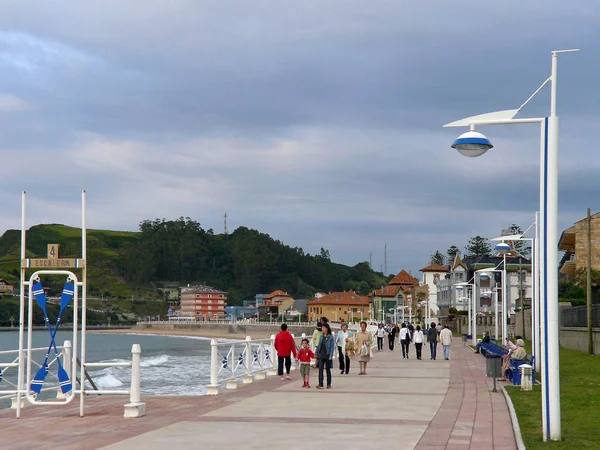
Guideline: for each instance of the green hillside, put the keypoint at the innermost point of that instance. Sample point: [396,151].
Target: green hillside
[130,268]
[104,251]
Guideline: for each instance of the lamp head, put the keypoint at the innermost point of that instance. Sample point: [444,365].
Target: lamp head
[503,247]
[472,144]
[484,275]
[459,288]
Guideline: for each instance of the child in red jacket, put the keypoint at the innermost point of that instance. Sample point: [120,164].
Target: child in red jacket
[304,356]
[285,346]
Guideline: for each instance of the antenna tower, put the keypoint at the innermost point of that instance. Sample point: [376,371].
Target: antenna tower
[225,225]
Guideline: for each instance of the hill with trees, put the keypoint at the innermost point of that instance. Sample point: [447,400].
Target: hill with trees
[137,265]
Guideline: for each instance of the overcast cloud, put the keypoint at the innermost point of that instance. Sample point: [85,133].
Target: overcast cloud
[319,123]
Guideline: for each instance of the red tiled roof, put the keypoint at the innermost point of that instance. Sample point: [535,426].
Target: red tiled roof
[277,293]
[434,268]
[341,298]
[387,291]
[404,278]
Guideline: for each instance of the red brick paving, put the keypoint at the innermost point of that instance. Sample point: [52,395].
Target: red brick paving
[470,417]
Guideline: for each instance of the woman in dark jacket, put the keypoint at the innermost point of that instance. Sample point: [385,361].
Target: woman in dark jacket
[324,354]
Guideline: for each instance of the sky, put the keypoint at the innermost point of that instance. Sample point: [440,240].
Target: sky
[319,123]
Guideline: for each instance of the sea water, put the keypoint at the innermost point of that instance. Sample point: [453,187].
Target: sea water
[170,365]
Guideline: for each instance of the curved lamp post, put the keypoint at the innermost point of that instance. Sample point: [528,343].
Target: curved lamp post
[504,248]
[535,288]
[551,426]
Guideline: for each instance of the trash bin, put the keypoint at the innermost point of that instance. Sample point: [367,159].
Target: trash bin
[464,340]
[493,365]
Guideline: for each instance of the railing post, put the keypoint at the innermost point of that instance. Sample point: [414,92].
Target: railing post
[135,407]
[248,378]
[273,369]
[66,354]
[213,387]
[262,373]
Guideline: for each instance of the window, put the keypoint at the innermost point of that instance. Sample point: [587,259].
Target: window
[436,278]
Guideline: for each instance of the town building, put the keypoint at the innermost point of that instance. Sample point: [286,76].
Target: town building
[203,302]
[451,294]
[432,274]
[275,304]
[340,305]
[6,287]
[573,241]
[394,300]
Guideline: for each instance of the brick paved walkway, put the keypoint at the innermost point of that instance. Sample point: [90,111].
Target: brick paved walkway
[401,404]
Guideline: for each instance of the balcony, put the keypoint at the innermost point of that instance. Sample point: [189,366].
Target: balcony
[568,264]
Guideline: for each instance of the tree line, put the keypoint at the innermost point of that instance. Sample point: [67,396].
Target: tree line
[480,246]
[244,263]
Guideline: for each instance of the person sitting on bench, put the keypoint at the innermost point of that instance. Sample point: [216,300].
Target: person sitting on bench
[485,340]
[518,354]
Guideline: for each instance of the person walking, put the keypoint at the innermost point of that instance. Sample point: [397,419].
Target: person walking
[345,344]
[285,346]
[316,337]
[363,340]
[324,355]
[432,337]
[404,340]
[446,340]
[380,336]
[418,339]
[391,336]
[305,354]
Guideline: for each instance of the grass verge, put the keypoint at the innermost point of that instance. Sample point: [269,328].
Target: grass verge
[580,405]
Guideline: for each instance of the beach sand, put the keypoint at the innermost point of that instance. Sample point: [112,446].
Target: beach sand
[217,334]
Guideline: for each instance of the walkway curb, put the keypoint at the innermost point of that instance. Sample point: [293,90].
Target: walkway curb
[514,420]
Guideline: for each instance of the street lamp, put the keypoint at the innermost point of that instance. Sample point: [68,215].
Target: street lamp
[535,288]
[504,248]
[551,421]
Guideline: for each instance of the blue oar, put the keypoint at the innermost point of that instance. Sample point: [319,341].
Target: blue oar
[40,376]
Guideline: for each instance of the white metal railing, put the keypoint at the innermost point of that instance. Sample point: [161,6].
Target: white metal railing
[8,369]
[132,409]
[191,321]
[135,408]
[248,360]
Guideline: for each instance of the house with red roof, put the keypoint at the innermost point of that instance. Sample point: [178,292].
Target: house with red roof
[393,297]
[275,304]
[340,305]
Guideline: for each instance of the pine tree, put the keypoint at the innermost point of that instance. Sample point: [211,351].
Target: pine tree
[437,258]
[478,246]
[451,252]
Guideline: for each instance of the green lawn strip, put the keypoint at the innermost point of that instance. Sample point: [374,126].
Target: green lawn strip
[580,405]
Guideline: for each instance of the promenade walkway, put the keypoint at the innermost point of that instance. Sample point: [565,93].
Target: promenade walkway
[400,404]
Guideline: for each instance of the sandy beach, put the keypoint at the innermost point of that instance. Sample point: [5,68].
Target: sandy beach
[217,334]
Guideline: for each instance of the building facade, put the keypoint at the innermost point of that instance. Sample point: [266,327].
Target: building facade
[203,302]
[6,287]
[432,275]
[573,241]
[451,294]
[275,304]
[394,300]
[340,305]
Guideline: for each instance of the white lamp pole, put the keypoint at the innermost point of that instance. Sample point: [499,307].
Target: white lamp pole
[476,144]
[505,288]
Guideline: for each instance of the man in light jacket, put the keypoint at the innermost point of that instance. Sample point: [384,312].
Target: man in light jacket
[446,340]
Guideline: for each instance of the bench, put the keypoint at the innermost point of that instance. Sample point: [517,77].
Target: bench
[492,349]
[513,373]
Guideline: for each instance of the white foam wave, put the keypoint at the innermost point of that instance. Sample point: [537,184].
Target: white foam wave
[107,381]
[154,361]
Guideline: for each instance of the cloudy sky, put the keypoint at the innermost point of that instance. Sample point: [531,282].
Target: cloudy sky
[319,123]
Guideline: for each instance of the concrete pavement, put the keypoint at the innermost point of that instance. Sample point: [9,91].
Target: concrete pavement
[400,404]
